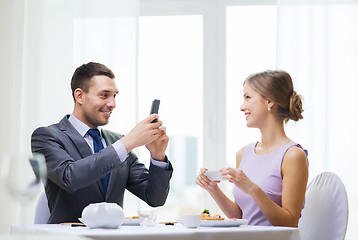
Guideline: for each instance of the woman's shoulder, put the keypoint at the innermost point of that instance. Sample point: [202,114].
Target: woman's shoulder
[240,153]
[296,151]
[295,164]
[295,155]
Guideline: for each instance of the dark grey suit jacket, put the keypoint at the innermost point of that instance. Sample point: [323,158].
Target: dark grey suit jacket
[74,173]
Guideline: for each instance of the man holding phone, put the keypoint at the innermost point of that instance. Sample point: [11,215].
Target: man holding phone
[87,164]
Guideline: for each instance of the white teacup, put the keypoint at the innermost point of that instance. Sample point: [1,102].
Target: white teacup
[214,175]
[192,220]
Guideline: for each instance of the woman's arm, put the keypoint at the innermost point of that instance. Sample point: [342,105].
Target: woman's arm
[229,207]
[294,174]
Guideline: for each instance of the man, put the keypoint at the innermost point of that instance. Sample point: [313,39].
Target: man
[86,165]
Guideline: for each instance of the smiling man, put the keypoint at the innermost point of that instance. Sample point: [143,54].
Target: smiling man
[87,164]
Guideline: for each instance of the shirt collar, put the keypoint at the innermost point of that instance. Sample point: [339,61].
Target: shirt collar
[81,127]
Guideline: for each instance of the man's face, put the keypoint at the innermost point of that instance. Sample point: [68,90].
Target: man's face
[99,102]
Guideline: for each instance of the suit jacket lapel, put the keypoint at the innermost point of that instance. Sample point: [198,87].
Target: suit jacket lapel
[75,137]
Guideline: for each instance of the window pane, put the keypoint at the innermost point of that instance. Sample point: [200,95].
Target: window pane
[110,41]
[170,69]
[251,47]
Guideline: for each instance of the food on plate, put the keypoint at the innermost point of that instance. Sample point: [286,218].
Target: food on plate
[205,215]
[215,217]
[133,217]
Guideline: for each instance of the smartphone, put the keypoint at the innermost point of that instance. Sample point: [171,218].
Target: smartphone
[155,108]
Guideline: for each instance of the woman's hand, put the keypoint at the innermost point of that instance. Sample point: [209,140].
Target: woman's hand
[229,207]
[238,177]
[204,182]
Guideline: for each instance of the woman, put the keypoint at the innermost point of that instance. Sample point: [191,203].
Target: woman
[271,175]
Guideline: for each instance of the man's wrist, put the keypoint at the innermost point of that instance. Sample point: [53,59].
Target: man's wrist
[161,158]
[129,146]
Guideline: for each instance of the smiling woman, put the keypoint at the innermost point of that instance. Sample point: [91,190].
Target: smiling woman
[271,174]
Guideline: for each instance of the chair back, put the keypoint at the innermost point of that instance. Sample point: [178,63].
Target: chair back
[325,215]
[42,212]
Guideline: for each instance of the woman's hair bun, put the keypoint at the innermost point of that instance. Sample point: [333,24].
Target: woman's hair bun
[295,107]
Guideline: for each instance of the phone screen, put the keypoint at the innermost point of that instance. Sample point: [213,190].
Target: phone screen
[155,108]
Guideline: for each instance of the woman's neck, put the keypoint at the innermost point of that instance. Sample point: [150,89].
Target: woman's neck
[272,137]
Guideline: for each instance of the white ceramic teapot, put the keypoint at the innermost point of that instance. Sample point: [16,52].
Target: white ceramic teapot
[102,215]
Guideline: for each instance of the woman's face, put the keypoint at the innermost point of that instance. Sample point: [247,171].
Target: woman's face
[254,107]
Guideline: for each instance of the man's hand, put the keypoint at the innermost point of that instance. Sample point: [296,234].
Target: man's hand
[152,135]
[158,146]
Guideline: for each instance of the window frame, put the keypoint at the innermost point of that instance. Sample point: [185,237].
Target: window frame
[214,65]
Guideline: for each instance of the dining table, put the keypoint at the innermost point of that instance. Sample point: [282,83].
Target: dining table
[160,232]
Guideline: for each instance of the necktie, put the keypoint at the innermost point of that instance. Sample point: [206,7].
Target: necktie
[97,145]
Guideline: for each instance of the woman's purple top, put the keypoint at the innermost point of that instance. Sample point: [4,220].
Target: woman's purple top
[264,171]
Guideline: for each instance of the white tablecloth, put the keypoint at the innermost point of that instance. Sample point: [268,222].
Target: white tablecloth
[162,232]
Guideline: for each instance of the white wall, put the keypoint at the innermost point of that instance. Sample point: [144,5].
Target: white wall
[25,96]
[11,40]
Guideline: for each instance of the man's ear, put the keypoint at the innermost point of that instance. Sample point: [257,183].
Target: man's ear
[79,95]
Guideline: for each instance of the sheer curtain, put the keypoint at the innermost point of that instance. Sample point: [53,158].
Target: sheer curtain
[42,42]
[11,28]
[317,44]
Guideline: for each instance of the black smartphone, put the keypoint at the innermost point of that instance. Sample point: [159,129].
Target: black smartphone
[155,108]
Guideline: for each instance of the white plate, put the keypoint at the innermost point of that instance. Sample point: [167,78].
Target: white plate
[131,222]
[223,223]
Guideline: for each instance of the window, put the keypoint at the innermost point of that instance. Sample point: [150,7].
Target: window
[170,69]
[250,48]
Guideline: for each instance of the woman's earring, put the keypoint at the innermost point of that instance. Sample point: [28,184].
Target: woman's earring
[269,109]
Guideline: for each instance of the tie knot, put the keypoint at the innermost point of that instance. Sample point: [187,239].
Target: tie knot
[93,132]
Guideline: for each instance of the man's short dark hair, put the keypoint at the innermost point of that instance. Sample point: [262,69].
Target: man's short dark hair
[83,75]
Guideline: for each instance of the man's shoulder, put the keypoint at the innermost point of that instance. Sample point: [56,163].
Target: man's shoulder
[51,129]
